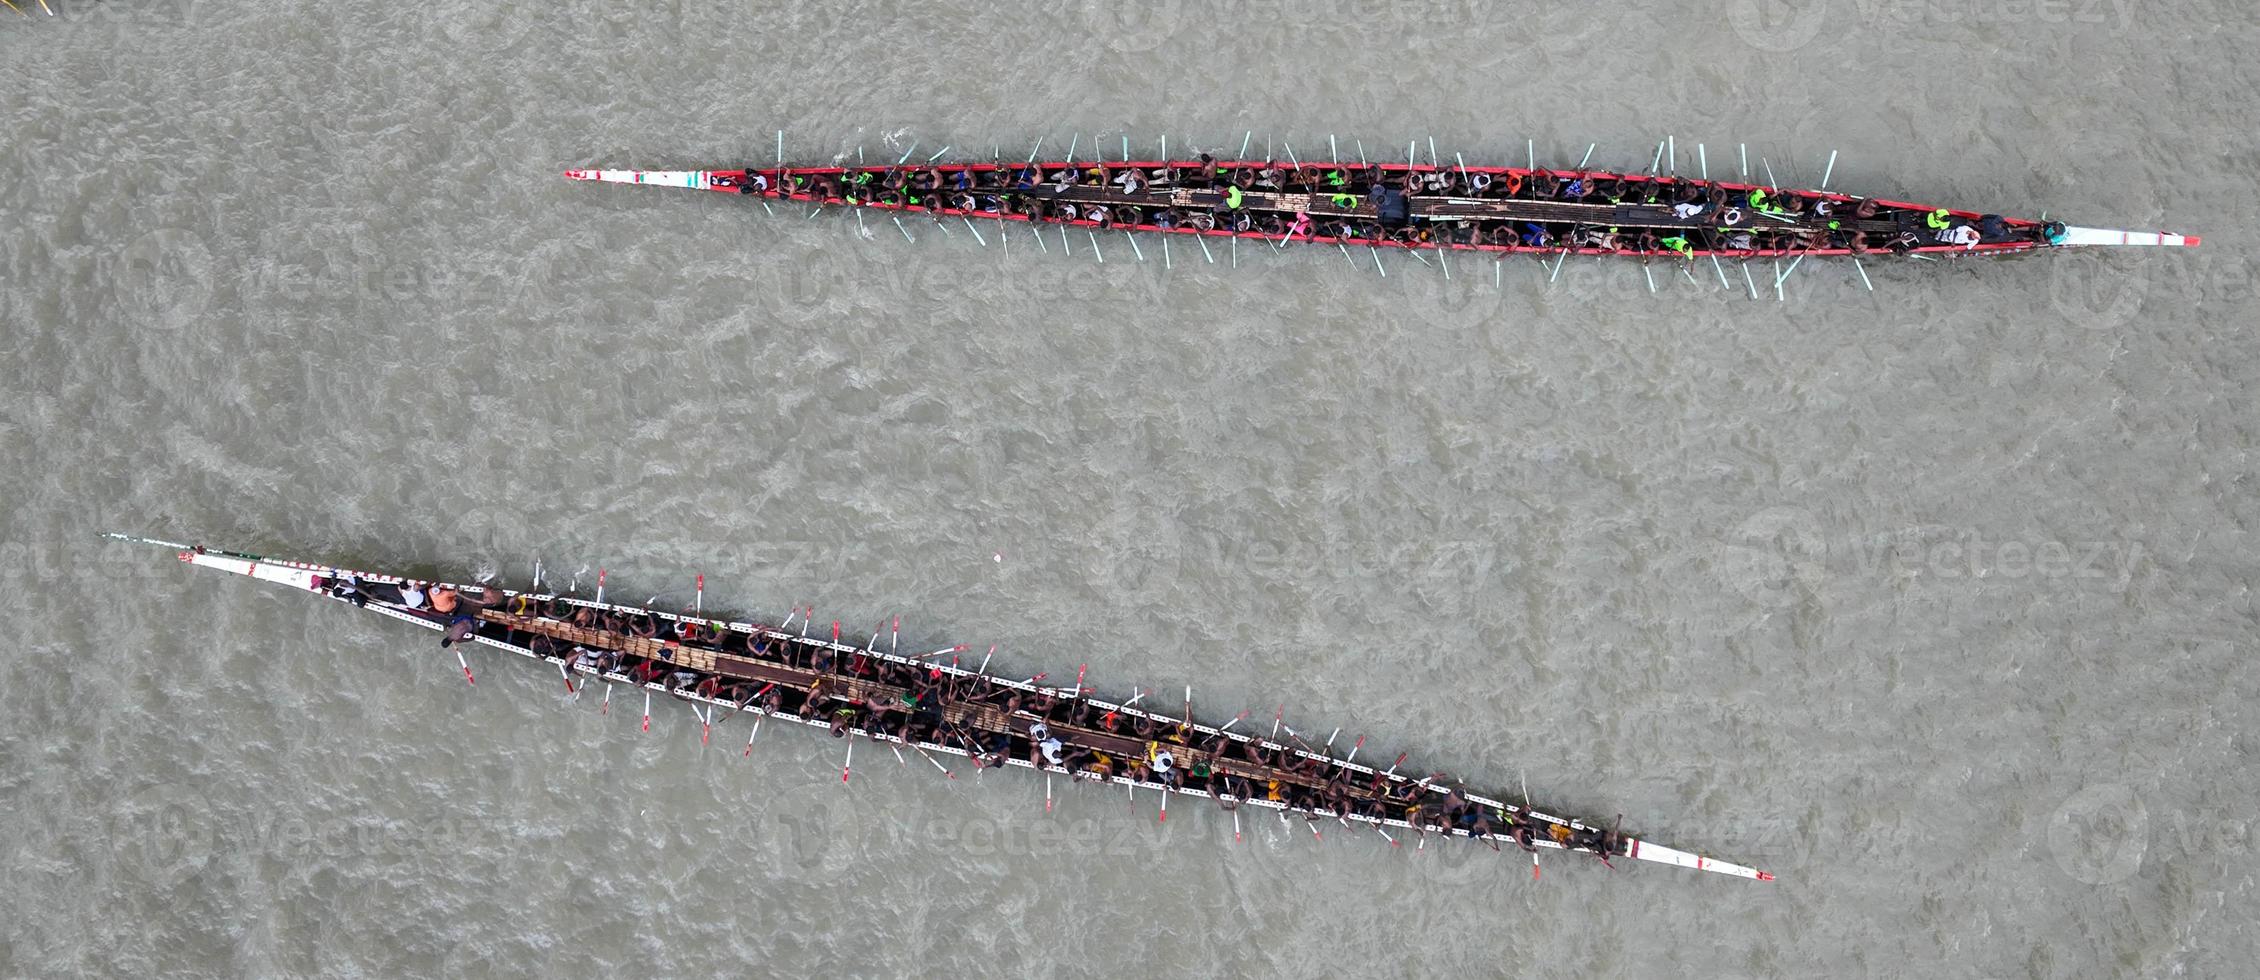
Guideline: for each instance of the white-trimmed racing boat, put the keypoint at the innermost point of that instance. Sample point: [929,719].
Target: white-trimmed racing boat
[934,706]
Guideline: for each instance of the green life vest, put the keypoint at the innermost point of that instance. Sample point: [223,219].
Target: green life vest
[1232,198]
[1679,245]
[1939,218]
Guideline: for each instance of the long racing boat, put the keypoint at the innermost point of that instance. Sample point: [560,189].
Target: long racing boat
[1447,206]
[935,706]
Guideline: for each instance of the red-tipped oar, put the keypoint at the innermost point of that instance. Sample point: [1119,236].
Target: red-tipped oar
[984,671]
[568,675]
[1352,757]
[750,737]
[698,599]
[1164,807]
[1275,719]
[1235,825]
[606,707]
[922,752]
[849,765]
[1393,766]
[1080,673]
[1384,833]
[894,642]
[960,648]
[600,585]
[647,709]
[1236,719]
[1047,792]
[705,726]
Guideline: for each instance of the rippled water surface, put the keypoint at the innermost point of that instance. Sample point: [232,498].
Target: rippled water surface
[1935,600]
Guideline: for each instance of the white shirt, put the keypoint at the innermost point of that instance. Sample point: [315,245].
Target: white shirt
[411,596]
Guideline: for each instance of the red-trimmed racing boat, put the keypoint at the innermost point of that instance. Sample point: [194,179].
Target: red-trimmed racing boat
[1407,205]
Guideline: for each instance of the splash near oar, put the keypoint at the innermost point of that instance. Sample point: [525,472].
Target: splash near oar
[933,707]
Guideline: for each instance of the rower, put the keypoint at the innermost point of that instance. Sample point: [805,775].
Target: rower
[347,586]
[1231,792]
[459,630]
[410,595]
[1162,763]
[1390,205]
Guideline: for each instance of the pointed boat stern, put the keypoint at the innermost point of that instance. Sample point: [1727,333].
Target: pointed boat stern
[297,575]
[1645,851]
[2107,236]
[697,180]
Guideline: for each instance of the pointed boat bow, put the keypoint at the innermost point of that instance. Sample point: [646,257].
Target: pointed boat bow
[2108,236]
[697,180]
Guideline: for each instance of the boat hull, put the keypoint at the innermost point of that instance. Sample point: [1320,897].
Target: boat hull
[1639,221]
[532,624]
